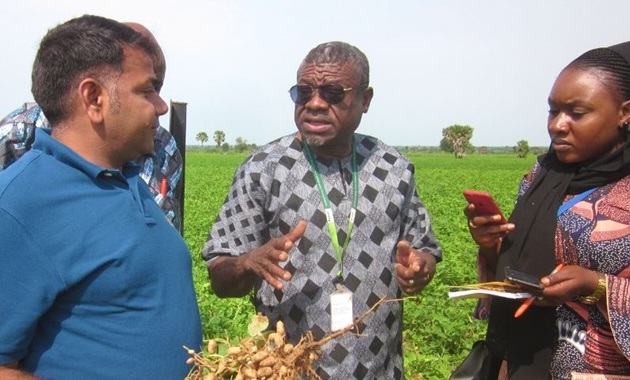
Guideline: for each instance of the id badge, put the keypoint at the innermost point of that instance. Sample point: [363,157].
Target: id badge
[340,309]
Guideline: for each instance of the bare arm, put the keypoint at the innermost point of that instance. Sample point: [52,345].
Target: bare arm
[236,276]
[11,371]
[492,257]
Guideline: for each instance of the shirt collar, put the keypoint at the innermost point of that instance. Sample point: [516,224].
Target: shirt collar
[51,146]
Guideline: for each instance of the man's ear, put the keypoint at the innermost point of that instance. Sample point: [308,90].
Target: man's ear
[93,98]
[367,98]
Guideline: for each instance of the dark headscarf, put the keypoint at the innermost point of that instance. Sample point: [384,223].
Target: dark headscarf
[531,246]
[623,49]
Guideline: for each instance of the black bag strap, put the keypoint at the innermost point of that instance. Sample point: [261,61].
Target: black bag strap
[480,364]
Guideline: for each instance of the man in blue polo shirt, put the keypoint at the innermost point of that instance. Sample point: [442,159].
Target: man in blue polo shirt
[94,282]
[161,169]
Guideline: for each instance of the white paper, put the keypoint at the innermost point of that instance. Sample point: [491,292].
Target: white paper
[340,310]
[483,293]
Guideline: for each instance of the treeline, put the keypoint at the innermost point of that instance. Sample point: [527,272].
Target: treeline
[536,150]
[244,148]
[455,140]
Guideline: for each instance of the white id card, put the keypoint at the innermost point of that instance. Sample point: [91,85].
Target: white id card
[340,309]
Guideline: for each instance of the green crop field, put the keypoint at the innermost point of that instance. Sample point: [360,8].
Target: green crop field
[437,332]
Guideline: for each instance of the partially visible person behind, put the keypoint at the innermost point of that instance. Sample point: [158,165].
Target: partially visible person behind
[17,131]
[327,219]
[94,282]
[573,208]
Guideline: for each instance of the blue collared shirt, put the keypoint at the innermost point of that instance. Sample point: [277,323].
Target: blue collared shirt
[93,278]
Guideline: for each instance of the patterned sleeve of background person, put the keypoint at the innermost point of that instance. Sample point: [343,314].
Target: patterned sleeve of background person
[17,132]
[17,135]
[165,163]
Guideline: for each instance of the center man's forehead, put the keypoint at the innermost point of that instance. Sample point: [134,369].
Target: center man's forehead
[326,72]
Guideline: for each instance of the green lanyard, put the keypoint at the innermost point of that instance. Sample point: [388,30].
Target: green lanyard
[330,219]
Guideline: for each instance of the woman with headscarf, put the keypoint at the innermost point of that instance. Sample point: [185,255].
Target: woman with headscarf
[573,208]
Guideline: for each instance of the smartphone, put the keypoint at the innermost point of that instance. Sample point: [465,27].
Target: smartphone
[484,203]
[526,280]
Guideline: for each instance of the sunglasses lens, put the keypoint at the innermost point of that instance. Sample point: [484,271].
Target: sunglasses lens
[301,94]
[332,93]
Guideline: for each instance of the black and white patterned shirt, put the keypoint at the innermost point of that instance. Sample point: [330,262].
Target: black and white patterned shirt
[273,190]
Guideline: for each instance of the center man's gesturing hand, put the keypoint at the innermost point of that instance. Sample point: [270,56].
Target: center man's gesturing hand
[264,261]
[414,269]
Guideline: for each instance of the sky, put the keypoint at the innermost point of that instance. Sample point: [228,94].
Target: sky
[489,64]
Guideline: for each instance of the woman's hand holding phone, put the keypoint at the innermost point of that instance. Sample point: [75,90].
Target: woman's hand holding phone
[486,222]
[485,205]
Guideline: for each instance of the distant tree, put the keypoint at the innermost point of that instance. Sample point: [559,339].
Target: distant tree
[241,144]
[446,146]
[536,150]
[521,149]
[483,150]
[459,137]
[219,137]
[202,137]
[225,147]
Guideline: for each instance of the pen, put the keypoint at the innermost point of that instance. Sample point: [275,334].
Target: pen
[528,302]
[164,187]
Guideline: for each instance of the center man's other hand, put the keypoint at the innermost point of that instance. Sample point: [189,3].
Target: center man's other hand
[414,269]
[264,261]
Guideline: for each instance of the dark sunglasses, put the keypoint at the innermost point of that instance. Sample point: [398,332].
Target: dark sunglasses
[331,93]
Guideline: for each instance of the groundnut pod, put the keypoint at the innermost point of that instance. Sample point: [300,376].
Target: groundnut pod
[264,372]
[249,373]
[234,351]
[287,348]
[278,341]
[268,362]
[280,328]
[260,355]
[212,346]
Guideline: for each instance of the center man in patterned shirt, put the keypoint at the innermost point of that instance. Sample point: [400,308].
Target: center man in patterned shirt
[325,222]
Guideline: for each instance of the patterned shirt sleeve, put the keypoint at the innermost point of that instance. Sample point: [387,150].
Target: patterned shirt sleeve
[17,132]
[242,211]
[417,222]
[165,164]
